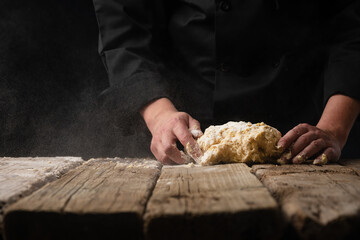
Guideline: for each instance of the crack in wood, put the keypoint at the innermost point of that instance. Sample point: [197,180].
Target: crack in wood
[71,195]
[186,198]
[151,189]
[314,199]
[111,195]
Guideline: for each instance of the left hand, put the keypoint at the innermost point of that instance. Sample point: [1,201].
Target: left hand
[308,142]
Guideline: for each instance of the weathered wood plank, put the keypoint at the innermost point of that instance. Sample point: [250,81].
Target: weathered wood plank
[351,163]
[102,199]
[321,202]
[213,202]
[21,176]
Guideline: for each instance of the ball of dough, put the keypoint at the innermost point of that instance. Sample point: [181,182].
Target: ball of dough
[239,142]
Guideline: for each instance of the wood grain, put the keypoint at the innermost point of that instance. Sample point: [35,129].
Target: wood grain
[102,199]
[321,202]
[21,176]
[213,202]
[352,163]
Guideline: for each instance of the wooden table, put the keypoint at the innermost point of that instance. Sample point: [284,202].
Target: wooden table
[140,198]
[20,177]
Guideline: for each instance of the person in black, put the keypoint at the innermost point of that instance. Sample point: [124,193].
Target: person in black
[280,62]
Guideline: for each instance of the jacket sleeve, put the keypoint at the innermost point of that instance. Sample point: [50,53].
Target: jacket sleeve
[342,74]
[134,70]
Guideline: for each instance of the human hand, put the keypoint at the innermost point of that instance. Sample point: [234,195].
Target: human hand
[308,142]
[167,125]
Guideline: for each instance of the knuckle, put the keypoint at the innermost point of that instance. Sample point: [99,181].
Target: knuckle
[177,117]
[303,125]
[185,136]
[332,152]
[178,125]
[296,127]
[318,142]
[305,138]
[173,120]
[297,132]
[317,132]
[336,157]
[332,155]
[315,143]
[182,114]
[153,148]
[163,159]
[168,148]
[155,140]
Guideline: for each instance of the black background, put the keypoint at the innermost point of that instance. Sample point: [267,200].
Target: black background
[50,79]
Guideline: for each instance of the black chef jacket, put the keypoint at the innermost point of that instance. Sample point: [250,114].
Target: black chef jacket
[276,61]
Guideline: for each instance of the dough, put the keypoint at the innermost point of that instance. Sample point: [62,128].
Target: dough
[239,142]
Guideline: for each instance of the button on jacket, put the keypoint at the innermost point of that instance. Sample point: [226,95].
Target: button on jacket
[276,61]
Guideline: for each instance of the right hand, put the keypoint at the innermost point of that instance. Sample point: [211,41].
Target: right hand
[167,125]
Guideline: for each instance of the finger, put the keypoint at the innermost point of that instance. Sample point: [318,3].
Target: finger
[194,124]
[313,148]
[194,127]
[285,158]
[182,133]
[154,149]
[292,135]
[303,141]
[185,137]
[159,155]
[169,148]
[196,133]
[329,155]
[321,160]
[165,160]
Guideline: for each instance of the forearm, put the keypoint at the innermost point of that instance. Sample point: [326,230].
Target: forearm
[339,116]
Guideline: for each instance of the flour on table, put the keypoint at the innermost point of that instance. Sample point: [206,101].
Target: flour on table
[239,142]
